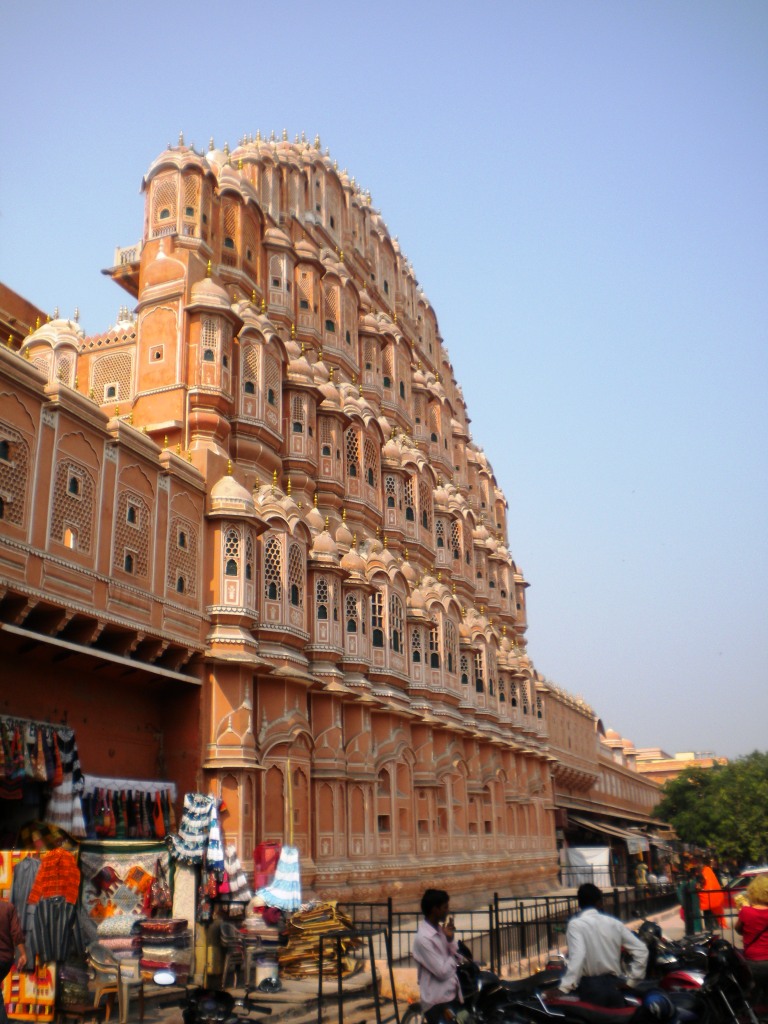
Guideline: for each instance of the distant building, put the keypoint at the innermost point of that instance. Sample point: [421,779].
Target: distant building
[654,763]
[248,545]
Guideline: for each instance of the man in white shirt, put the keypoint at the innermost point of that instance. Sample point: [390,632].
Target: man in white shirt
[436,953]
[595,941]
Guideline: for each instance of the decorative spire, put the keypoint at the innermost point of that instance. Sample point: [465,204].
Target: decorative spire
[165,441]
[330,376]
[317,142]
[211,145]
[263,305]
[92,395]
[253,297]
[285,134]
[189,456]
[274,480]
[344,515]
[55,312]
[288,487]
[240,164]
[405,553]
[208,269]
[314,500]
[326,523]
[178,443]
[229,467]
[181,139]
[293,332]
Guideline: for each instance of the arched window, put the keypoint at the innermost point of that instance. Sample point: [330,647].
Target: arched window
[377,619]
[479,677]
[180,585]
[210,340]
[5,451]
[128,562]
[371,463]
[249,556]
[440,533]
[425,504]
[395,623]
[456,539]
[296,576]
[409,502]
[297,407]
[464,670]
[449,635]
[513,694]
[273,570]
[73,486]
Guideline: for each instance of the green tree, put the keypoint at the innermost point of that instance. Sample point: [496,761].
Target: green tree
[724,807]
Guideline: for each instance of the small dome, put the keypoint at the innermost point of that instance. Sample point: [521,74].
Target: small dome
[228,494]
[343,536]
[353,563]
[325,546]
[208,293]
[314,520]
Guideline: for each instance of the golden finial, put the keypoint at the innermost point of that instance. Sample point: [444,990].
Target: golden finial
[394,318]
[320,354]
[453,588]
[189,456]
[92,394]
[405,554]
[263,305]
[341,256]
[9,343]
[360,389]
[130,418]
[226,149]
[47,318]
[211,146]
[327,518]
[117,413]
[77,382]
[317,142]
[314,500]
[144,429]
[258,134]
[178,447]
[482,609]
[37,324]
[30,329]
[504,630]
[293,332]
[240,164]
[330,376]
[26,354]
[439,575]
[288,487]
[343,515]
[181,138]
[285,134]
[437,376]
[378,530]
[386,540]
[274,480]
[354,541]
[253,297]
[208,269]
[303,348]
[272,137]
[229,467]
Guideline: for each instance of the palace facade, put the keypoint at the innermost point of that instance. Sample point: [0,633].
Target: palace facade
[248,544]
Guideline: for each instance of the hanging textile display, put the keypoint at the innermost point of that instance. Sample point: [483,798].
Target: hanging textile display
[65,808]
[127,808]
[188,845]
[237,883]
[117,882]
[31,995]
[284,892]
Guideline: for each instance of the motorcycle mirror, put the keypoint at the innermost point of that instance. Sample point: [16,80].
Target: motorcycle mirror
[164,977]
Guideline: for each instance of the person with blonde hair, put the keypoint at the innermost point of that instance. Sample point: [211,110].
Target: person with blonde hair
[752,925]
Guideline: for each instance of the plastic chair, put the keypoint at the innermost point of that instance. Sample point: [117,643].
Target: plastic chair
[234,952]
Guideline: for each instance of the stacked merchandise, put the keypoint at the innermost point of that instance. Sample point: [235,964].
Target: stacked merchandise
[299,958]
[166,945]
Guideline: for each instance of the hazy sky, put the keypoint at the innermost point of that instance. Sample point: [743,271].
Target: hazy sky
[583,190]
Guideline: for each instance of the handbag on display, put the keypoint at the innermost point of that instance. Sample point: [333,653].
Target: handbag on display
[159,890]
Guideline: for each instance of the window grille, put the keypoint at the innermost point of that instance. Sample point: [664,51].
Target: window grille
[273,570]
[296,575]
[377,619]
[395,623]
[353,452]
[14,468]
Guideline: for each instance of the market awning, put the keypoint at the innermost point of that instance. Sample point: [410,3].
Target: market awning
[636,843]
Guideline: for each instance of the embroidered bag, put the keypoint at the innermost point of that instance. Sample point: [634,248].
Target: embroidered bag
[159,890]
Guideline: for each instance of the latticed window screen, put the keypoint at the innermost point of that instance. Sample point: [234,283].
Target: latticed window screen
[73,503]
[456,539]
[513,693]
[230,226]
[491,656]
[468,549]
[297,414]
[390,491]
[353,452]
[132,533]
[502,691]
[370,354]
[539,707]
[395,623]
[250,367]
[409,499]
[249,555]
[450,645]
[13,475]
[250,242]
[115,369]
[321,597]
[182,557]
[296,575]
[273,383]
[425,504]
[524,696]
[164,200]
[479,676]
[416,644]
[43,364]
[273,570]
[232,552]
[371,462]
[275,272]
[210,339]
[326,435]
[331,307]
[305,290]
[377,619]
[351,613]
[389,367]
[191,193]
[464,668]
[434,422]
[440,533]
[434,646]
[64,369]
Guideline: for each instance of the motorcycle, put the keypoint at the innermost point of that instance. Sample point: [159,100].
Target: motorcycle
[213,1006]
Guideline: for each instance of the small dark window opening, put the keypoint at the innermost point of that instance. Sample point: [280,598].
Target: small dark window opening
[330,325]
[231,569]
[370,478]
[348,338]
[322,612]
[433,436]
[74,488]
[208,355]
[180,586]
[464,679]
[402,390]
[271,396]
[225,361]
[410,517]
[130,514]
[5,451]
[128,563]
[466,557]
[298,427]
[503,593]
[249,255]
[424,519]
[390,501]
[434,660]
[479,686]
[326,449]
[2,509]
[450,662]
[294,595]
[387,382]
[386,287]
[182,541]
[189,211]
[165,214]
[351,625]
[276,282]
[205,218]
[303,304]
[396,642]
[249,388]
[333,222]
[229,243]
[272,591]
[440,542]
[111,391]
[378,638]
[416,656]
[352,469]
[248,571]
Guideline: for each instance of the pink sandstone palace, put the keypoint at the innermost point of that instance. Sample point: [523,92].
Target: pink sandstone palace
[248,544]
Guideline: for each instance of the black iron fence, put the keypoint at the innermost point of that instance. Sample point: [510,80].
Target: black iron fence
[514,933]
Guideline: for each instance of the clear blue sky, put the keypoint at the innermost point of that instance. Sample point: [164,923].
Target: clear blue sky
[583,190]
